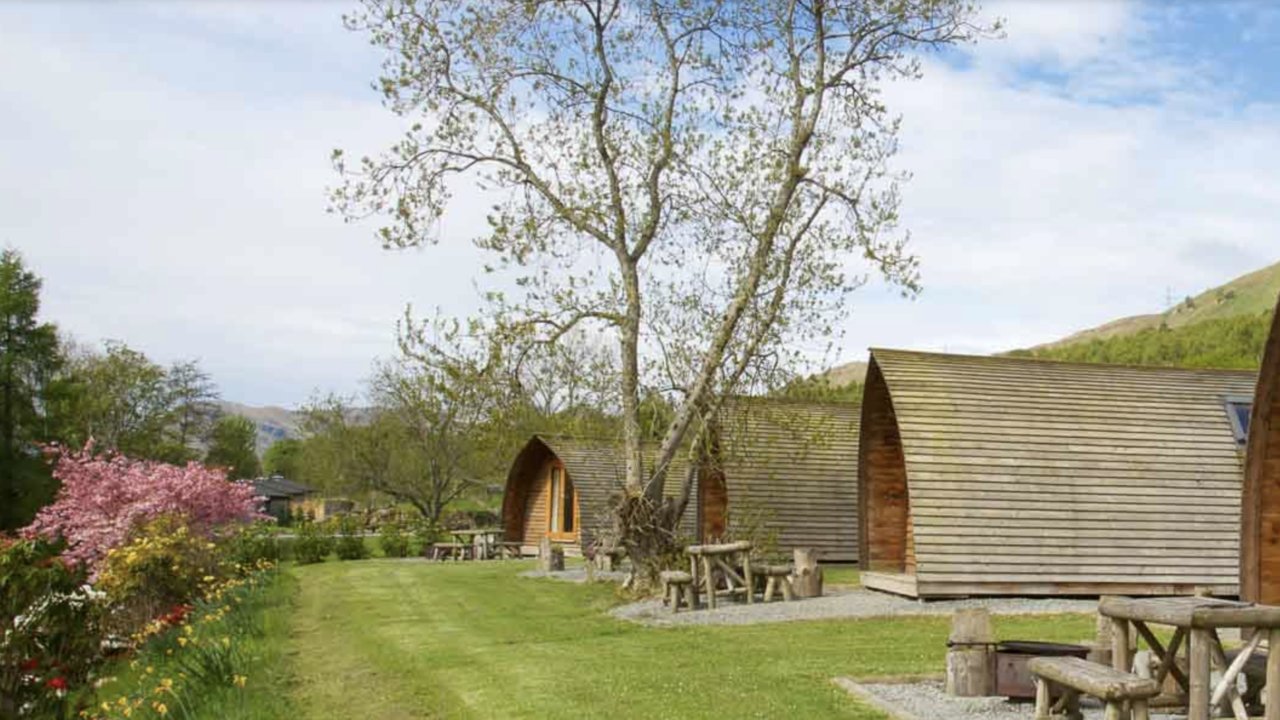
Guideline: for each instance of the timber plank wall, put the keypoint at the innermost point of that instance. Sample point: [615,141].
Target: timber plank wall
[1028,477]
[792,467]
[1260,516]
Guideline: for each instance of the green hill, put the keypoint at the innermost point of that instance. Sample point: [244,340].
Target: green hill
[1223,327]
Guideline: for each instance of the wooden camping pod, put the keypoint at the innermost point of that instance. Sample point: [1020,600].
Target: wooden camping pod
[1006,476]
[790,468]
[585,475]
[787,468]
[1260,507]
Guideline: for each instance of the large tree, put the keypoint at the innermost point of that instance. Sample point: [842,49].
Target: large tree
[694,177]
[194,410]
[29,356]
[233,444]
[284,458]
[126,402]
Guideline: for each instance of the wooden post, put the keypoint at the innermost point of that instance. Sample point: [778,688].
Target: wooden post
[970,662]
[1198,698]
[1120,660]
[693,573]
[1272,688]
[746,576]
[808,576]
[550,558]
[1042,699]
[1101,652]
[710,580]
[1141,668]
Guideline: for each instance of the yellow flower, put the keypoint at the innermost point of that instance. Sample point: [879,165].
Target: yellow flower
[226,641]
[239,680]
[150,670]
[161,708]
[167,683]
[183,641]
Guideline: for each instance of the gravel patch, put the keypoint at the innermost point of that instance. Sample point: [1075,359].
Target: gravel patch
[575,575]
[840,603]
[926,700]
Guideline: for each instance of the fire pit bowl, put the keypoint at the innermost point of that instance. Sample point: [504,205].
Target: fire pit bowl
[1013,680]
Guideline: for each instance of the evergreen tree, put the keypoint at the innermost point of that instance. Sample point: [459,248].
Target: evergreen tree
[28,358]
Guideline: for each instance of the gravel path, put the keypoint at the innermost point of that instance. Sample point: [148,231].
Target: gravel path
[926,701]
[840,603]
[575,575]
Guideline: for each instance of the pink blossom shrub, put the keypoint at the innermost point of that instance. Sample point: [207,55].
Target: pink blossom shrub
[104,498]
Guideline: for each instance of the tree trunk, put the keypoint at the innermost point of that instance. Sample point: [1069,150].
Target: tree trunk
[808,576]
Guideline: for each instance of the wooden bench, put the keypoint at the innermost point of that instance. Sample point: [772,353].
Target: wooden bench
[1074,676]
[509,550]
[677,585]
[444,551]
[776,576]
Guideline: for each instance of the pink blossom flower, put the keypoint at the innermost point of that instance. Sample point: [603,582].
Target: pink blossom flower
[103,498]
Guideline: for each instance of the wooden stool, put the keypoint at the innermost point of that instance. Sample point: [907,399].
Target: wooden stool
[1074,676]
[777,576]
[677,584]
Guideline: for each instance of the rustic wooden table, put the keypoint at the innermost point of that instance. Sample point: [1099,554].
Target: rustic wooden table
[488,539]
[722,558]
[1196,620]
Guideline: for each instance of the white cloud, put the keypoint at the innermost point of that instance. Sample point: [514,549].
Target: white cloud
[169,184]
[192,223]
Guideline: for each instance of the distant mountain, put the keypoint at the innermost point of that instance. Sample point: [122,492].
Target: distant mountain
[842,375]
[1223,327]
[274,423]
[1247,295]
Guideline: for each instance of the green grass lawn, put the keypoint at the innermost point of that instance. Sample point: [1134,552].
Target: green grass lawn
[392,639]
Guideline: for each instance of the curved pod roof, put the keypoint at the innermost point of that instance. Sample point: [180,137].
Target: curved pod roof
[992,475]
[1260,516]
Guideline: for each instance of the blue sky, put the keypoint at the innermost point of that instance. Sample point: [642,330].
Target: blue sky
[164,170]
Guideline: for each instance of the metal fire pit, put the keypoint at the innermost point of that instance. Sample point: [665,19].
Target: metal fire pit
[1013,680]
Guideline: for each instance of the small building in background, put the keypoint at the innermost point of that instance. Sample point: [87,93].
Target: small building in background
[1260,517]
[283,496]
[1004,476]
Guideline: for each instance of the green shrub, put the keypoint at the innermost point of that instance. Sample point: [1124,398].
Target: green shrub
[394,542]
[253,543]
[164,564]
[423,535]
[351,539]
[51,630]
[313,543]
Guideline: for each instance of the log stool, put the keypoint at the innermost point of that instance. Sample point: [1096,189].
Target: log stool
[677,584]
[776,576]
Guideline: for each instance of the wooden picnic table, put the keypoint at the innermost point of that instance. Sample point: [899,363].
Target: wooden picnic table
[488,539]
[722,558]
[1196,620]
